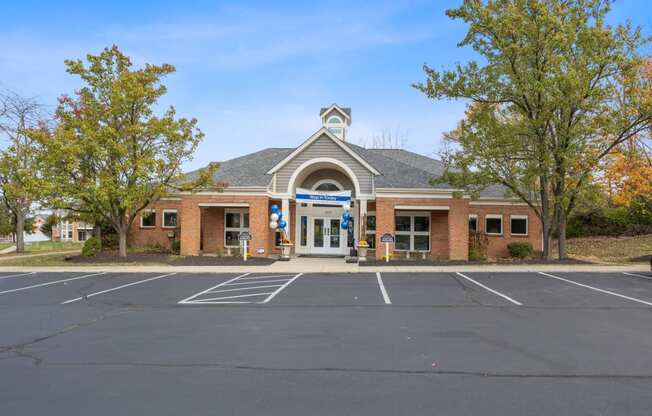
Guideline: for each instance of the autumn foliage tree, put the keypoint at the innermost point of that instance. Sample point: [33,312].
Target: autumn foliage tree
[556,91]
[110,154]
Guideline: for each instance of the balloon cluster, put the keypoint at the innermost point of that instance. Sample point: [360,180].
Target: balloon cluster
[346,216]
[276,219]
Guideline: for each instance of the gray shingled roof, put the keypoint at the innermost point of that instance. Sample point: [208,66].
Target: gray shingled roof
[398,169]
[347,110]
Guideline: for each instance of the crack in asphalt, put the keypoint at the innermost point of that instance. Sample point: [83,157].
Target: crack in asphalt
[487,374]
[19,349]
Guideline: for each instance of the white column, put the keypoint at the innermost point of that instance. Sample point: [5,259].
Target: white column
[285,208]
[362,206]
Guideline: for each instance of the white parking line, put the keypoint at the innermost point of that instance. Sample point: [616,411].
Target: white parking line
[90,295]
[266,277]
[17,275]
[495,292]
[51,283]
[212,300]
[256,283]
[277,291]
[597,289]
[382,289]
[638,275]
[189,300]
[242,288]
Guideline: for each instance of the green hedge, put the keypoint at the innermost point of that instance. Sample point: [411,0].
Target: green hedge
[633,220]
[520,250]
[91,247]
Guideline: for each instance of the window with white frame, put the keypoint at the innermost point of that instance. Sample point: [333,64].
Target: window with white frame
[371,229]
[518,224]
[336,126]
[170,217]
[493,224]
[473,223]
[66,231]
[235,222]
[148,218]
[412,231]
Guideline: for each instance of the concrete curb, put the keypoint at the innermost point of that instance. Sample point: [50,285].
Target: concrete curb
[287,267]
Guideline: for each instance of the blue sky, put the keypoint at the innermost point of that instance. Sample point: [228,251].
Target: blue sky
[256,72]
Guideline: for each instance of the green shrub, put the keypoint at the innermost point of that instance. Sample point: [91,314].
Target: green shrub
[176,247]
[478,243]
[91,247]
[520,250]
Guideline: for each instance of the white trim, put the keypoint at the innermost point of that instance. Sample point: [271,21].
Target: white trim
[169,211]
[412,232]
[224,204]
[170,198]
[527,225]
[241,228]
[494,216]
[338,123]
[142,211]
[423,207]
[335,107]
[339,163]
[322,131]
[323,181]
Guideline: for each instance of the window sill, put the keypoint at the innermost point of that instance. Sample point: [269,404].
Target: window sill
[167,227]
[519,235]
[148,226]
[494,234]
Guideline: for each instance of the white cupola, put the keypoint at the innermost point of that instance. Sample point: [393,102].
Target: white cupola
[336,119]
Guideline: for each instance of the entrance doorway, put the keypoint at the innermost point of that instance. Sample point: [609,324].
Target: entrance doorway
[326,236]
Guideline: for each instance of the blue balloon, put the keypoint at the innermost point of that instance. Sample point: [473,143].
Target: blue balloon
[345,225]
[346,215]
[282,224]
[275,208]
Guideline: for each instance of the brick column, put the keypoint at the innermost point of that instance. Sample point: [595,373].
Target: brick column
[190,227]
[458,230]
[384,224]
[259,225]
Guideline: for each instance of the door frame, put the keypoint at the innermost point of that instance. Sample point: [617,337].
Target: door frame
[312,212]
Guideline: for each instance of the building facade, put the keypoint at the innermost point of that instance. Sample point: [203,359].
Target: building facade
[391,189]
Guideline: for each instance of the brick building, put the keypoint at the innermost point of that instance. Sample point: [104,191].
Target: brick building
[391,188]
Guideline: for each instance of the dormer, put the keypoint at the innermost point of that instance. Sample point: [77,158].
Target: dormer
[336,119]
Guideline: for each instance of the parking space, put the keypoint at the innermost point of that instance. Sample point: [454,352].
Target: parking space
[553,330]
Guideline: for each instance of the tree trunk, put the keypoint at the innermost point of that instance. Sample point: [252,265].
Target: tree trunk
[97,233]
[545,218]
[20,234]
[547,253]
[123,241]
[561,230]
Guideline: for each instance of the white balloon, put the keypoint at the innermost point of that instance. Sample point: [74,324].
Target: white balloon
[347,207]
[273,217]
[273,225]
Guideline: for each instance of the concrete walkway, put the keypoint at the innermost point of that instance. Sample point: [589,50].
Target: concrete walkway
[325,265]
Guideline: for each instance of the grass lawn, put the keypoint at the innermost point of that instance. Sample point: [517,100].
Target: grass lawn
[5,245]
[611,249]
[60,260]
[43,246]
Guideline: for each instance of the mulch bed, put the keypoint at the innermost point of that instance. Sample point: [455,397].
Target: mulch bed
[416,262]
[172,260]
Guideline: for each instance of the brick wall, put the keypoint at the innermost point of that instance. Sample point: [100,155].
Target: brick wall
[139,236]
[498,243]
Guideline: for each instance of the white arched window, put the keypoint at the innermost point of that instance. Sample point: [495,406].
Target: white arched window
[334,120]
[327,185]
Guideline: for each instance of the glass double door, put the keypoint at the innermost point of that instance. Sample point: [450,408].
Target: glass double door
[326,236]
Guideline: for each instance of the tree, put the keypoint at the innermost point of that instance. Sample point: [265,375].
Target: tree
[48,225]
[110,155]
[386,140]
[559,90]
[20,180]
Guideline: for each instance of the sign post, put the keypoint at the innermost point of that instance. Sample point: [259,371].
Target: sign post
[245,236]
[387,239]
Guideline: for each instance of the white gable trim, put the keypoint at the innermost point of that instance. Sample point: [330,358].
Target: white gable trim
[312,139]
[348,170]
[338,109]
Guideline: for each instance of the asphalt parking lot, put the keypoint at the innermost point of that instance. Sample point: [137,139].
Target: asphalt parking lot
[294,344]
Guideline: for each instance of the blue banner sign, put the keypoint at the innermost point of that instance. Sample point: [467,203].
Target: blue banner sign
[321,197]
